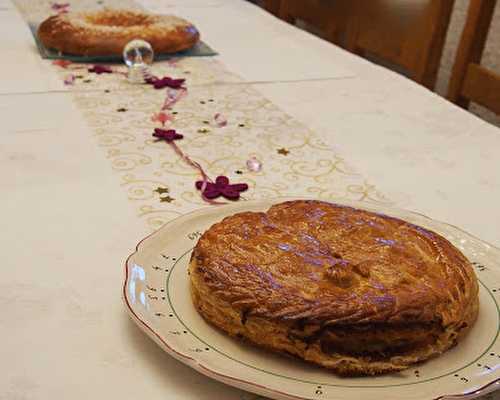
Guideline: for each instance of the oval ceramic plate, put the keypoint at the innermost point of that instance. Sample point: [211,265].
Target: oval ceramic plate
[157,296]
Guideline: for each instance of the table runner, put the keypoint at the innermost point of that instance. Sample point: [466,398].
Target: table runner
[296,162]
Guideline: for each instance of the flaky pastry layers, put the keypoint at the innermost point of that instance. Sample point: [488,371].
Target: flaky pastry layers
[107,31]
[351,290]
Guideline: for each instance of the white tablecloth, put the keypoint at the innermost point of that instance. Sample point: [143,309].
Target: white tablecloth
[22,70]
[68,227]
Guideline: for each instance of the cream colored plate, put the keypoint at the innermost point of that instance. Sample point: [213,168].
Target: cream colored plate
[156,291]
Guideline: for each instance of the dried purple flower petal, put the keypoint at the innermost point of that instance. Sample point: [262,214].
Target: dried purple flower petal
[169,135]
[222,187]
[160,83]
[100,69]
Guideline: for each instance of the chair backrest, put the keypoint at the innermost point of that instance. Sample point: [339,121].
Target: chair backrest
[273,6]
[469,80]
[326,17]
[406,34]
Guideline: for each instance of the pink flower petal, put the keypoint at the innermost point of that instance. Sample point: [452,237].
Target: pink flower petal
[173,62]
[59,6]
[69,80]
[62,63]
[172,97]
[220,120]
[161,117]
[254,165]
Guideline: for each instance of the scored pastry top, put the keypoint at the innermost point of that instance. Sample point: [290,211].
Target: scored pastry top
[327,264]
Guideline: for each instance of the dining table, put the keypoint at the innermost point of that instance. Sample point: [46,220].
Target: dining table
[84,182]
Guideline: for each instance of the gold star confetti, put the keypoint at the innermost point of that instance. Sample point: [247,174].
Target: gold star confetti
[203,130]
[161,190]
[167,199]
[283,151]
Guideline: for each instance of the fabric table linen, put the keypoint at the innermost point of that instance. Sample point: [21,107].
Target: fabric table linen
[80,177]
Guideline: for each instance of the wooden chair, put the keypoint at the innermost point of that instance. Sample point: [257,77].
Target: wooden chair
[273,6]
[469,80]
[408,35]
[326,18]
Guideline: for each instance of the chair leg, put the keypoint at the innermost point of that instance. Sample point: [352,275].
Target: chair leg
[426,72]
[283,11]
[470,49]
[273,6]
[350,42]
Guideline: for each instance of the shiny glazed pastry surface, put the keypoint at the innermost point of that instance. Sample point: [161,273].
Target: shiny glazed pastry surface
[107,31]
[351,290]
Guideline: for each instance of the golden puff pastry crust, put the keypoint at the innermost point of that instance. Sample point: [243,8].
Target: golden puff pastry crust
[106,32]
[351,290]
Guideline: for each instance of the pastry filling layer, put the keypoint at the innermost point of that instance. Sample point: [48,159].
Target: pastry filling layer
[376,341]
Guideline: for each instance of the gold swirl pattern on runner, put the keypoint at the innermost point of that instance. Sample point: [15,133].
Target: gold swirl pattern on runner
[155,218]
[310,169]
[143,189]
[108,137]
[126,161]
[367,192]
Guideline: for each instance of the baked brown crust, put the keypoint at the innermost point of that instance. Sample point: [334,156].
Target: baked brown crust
[107,31]
[355,291]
